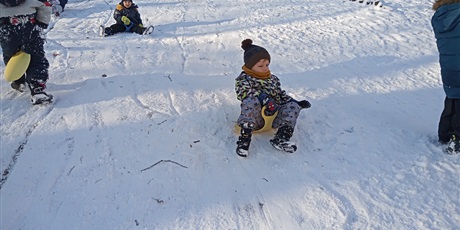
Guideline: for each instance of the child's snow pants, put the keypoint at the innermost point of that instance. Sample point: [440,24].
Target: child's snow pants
[450,120]
[25,37]
[251,114]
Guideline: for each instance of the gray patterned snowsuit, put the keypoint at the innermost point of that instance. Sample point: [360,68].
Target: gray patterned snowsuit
[249,88]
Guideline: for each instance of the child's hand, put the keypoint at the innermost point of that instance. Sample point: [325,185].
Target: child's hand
[125,20]
[304,103]
[271,106]
[263,97]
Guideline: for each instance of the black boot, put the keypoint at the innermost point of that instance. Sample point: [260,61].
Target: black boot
[37,91]
[281,139]
[108,31]
[453,147]
[20,84]
[105,31]
[243,142]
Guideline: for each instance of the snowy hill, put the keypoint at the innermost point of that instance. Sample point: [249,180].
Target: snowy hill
[151,145]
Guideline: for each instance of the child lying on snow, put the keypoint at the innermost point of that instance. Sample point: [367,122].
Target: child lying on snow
[257,87]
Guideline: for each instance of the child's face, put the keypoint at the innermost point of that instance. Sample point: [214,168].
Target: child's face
[127,4]
[261,66]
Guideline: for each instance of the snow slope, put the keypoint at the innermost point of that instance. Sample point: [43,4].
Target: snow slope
[152,146]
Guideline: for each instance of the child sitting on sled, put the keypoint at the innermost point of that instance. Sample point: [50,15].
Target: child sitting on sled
[256,87]
[128,19]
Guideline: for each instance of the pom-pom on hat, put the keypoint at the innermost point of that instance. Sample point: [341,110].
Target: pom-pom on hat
[253,53]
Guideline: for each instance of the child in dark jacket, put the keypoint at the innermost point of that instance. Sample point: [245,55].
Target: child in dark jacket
[446,26]
[256,87]
[21,25]
[127,19]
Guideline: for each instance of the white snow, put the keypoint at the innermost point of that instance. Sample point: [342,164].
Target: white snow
[152,145]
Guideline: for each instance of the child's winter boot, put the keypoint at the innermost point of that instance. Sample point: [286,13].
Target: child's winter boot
[19,85]
[281,139]
[37,90]
[105,31]
[244,140]
[453,147]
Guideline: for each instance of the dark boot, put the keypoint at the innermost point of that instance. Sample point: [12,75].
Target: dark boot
[105,31]
[453,147]
[281,139]
[19,85]
[37,91]
[243,142]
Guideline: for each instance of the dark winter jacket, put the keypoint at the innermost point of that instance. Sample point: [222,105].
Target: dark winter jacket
[132,13]
[446,26]
[247,86]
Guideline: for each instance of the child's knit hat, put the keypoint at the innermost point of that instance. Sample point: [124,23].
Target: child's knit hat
[253,53]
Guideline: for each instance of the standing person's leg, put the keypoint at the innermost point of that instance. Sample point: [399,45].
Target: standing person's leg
[445,129]
[63,3]
[11,43]
[456,118]
[37,72]
[453,147]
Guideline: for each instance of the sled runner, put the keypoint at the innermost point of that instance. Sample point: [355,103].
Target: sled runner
[149,30]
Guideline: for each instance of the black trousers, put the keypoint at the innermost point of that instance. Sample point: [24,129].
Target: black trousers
[449,124]
[118,28]
[63,3]
[27,38]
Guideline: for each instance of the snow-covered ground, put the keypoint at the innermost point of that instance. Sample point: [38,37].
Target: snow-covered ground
[152,145]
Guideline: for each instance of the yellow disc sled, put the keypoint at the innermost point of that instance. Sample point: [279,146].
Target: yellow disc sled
[268,122]
[17,66]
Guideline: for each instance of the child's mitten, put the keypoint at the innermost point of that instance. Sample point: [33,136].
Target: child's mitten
[125,20]
[304,104]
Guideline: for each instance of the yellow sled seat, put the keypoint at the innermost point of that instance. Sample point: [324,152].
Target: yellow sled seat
[268,125]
